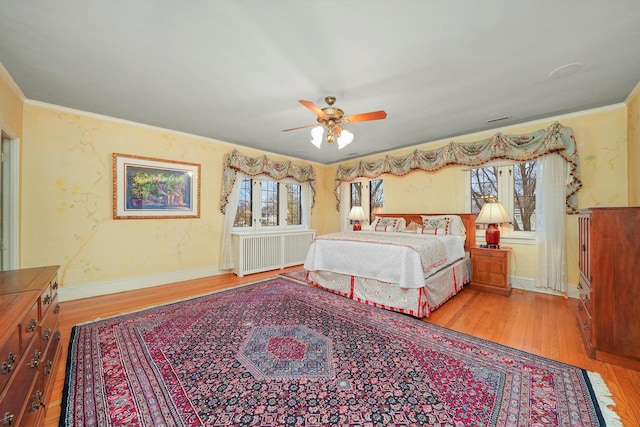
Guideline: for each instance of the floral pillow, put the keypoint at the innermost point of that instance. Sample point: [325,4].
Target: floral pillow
[439,227]
[456,226]
[387,224]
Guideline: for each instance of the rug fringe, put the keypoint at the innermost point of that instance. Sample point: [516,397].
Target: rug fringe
[605,400]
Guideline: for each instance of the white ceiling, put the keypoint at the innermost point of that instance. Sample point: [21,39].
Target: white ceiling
[235,70]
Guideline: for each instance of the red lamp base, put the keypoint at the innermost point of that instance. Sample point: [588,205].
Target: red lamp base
[356,225]
[492,236]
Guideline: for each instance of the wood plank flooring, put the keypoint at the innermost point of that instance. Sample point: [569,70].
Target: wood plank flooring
[541,324]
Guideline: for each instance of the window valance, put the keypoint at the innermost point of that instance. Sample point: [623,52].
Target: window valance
[253,166]
[554,139]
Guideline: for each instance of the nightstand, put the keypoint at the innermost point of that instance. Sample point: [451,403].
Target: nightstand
[490,270]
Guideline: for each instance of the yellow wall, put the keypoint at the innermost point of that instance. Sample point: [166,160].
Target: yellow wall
[67,199]
[11,102]
[601,137]
[66,205]
[633,134]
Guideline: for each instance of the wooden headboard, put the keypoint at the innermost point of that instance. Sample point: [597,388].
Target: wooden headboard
[468,219]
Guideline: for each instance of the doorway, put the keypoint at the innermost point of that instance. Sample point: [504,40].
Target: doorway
[9,162]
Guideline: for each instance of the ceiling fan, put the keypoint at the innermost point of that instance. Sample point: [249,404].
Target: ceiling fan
[331,118]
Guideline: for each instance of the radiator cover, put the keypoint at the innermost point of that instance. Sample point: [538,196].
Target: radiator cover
[256,252]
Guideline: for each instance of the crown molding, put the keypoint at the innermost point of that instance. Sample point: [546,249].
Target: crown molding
[635,92]
[12,83]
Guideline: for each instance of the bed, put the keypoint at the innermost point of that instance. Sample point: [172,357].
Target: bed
[410,263]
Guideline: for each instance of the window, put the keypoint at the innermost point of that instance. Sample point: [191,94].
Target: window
[369,195]
[514,185]
[264,204]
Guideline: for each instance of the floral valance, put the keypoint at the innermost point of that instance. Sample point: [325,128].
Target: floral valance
[554,139]
[253,166]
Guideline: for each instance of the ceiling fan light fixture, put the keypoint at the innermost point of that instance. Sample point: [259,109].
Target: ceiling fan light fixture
[316,135]
[344,139]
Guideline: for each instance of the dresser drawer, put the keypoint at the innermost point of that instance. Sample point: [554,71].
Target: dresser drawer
[45,301]
[585,324]
[9,352]
[49,364]
[50,322]
[491,253]
[29,327]
[21,396]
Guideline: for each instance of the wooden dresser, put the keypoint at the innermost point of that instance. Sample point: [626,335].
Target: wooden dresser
[29,343]
[609,261]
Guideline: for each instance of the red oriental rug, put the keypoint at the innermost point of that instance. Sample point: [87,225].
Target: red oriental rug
[278,353]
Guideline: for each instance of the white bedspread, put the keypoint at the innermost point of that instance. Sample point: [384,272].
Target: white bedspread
[390,257]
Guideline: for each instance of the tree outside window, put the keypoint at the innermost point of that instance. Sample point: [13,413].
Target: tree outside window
[512,185]
[294,204]
[245,202]
[263,200]
[369,195]
[269,203]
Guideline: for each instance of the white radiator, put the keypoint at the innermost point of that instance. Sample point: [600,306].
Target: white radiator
[256,252]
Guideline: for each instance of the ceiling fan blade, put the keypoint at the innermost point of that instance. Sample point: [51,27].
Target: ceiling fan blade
[313,107]
[300,127]
[374,115]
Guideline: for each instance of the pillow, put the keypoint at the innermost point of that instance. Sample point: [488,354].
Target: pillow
[456,226]
[413,226]
[388,224]
[437,226]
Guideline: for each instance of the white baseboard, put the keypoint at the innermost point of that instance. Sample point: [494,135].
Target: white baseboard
[131,283]
[141,282]
[529,285]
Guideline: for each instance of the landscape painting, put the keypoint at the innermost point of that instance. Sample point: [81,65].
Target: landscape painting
[146,188]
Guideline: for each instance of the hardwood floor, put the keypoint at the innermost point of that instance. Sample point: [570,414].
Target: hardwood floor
[541,324]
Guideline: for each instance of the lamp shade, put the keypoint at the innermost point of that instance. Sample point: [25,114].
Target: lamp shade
[357,215]
[344,139]
[316,135]
[492,214]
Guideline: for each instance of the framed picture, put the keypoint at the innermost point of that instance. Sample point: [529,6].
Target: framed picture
[146,188]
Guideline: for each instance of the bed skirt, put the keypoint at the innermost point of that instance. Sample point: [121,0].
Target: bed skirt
[419,302]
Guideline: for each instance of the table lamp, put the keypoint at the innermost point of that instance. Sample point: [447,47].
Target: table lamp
[492,214]
[357,215]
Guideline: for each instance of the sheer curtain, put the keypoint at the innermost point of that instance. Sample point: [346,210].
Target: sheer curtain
[551,192]
[345,204]
[226,257]
[306,196]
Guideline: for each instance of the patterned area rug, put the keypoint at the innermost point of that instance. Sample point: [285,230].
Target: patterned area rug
[299,276]
[277,353]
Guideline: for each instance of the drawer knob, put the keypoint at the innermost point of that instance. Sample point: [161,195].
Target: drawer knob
[34,363]
[6,367]
[31,326]
[55,285]
[7,419]
[46,334]
[47,299]
[57,309]
[585,325]
[47,369]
